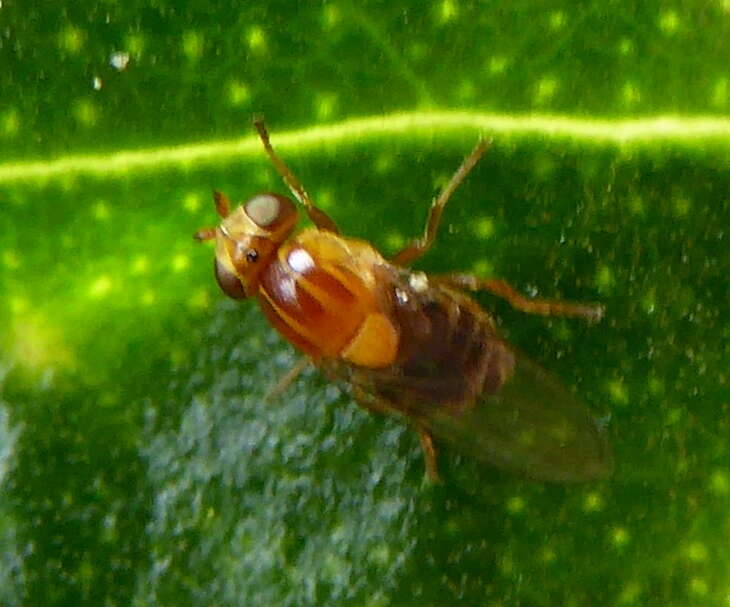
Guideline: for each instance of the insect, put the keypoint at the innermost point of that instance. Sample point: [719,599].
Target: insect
[405,342]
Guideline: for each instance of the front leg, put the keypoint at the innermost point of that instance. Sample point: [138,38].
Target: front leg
[286,380]
[315,214]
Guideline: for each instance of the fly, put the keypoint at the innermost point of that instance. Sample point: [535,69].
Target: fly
[405,342]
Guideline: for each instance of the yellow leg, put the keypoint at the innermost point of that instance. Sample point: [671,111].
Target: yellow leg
[421,245]
[545,307]
[318,216]
[285,381]
[429,455]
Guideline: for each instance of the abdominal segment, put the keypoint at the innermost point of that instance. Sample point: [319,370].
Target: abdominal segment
[448,355]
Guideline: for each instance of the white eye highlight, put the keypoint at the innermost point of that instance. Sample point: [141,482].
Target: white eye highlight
[263,209]
[300,261]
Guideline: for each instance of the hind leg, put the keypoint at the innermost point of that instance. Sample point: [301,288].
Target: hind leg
[429,455]
[545,307]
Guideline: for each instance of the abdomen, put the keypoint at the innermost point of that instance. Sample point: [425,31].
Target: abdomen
[449,353]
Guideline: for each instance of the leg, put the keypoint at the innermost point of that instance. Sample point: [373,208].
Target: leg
[318,216]
[543,307]
[373,405]
[369,403]
[429,455]
[419,246]
[285,380]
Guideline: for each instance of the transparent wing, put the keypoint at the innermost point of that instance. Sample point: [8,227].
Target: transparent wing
[458,378]
[532,426]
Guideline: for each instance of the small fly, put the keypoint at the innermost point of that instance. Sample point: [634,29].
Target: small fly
[405,342]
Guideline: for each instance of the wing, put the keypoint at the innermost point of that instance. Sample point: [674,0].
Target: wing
[456,377]
[531,425]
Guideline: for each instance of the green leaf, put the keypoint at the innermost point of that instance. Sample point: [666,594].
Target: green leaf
[139,459]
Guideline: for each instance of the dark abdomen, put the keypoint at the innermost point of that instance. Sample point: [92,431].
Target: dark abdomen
[449,352]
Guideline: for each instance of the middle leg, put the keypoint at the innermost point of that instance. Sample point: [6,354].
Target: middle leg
[421,245]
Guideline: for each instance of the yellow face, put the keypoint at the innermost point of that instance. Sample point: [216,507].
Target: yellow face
[247,240]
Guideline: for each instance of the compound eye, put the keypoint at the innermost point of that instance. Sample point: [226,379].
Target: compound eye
[269,210]
[229,282]
[263,209]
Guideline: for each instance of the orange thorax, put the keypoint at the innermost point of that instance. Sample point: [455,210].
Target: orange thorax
[321,294]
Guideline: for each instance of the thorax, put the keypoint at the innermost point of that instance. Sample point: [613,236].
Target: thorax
[322,294]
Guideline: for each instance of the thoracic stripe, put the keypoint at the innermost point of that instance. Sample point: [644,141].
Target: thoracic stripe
[291,330]
[309,305]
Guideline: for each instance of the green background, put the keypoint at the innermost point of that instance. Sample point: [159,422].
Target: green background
[140,464]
